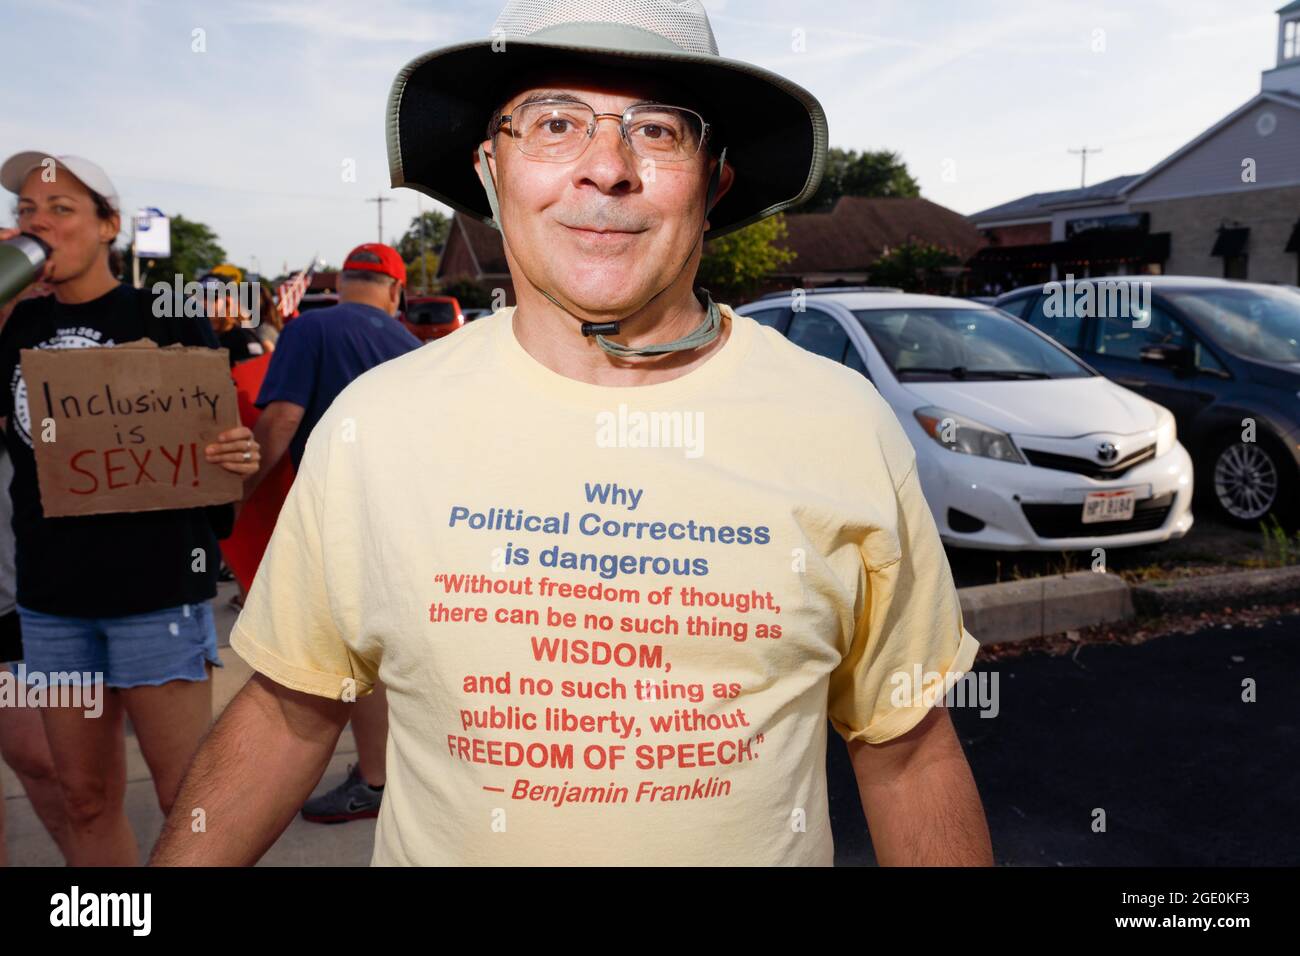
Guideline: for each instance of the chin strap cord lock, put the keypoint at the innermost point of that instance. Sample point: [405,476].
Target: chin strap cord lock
[704,333]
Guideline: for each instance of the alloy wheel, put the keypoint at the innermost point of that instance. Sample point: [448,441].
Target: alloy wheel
[1245,481]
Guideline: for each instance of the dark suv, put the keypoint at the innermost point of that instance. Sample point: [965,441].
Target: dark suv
[1222,356]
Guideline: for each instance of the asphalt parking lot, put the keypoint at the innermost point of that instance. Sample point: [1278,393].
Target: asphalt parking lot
[1155,734]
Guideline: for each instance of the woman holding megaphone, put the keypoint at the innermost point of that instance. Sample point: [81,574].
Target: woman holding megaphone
[120,600]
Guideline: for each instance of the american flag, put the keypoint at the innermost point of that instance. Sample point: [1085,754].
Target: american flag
[292,290]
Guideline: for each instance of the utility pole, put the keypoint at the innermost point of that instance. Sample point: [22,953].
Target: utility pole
[379,205]
[1083,174]
[424,257]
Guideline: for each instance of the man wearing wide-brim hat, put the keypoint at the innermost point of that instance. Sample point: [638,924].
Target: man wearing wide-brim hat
[616,552]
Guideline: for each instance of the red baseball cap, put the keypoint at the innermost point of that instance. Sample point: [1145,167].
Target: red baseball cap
[376,257]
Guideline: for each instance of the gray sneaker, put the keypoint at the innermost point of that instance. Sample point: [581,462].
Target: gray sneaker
[353,799]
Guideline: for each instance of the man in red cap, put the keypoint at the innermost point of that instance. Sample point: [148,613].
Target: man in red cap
[317,356]
[320,353]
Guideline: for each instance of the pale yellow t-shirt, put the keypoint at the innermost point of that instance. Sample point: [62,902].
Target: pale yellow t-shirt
[612,621]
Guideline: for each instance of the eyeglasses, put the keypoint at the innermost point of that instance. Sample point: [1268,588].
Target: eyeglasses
[557,131]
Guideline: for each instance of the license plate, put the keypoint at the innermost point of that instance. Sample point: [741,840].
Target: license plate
[1109,506]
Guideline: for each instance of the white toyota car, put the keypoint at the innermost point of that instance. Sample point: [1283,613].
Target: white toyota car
[1020,446]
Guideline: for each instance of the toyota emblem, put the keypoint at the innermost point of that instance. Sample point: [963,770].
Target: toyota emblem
[1107,452]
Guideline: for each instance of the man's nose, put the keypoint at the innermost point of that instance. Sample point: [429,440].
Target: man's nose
[608,162]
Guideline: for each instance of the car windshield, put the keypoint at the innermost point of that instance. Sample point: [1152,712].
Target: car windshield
[1262,324]
[979,344]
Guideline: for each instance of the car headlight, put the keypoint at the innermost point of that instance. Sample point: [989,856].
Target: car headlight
[1166,433]
[960,434]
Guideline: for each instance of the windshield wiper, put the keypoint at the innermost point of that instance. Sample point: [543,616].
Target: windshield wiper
[1008,373]
[955,371]
[963,372]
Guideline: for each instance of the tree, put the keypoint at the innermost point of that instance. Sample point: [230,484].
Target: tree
[873,173]
[419,279]
[914,267]
[735,265]
[194,250]
[436,227]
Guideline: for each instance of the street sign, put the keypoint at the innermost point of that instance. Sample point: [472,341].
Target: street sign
[152,237]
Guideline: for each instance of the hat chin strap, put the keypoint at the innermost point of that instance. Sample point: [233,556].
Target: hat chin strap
[706,332]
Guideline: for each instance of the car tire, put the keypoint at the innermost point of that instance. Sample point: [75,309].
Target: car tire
[1250,482]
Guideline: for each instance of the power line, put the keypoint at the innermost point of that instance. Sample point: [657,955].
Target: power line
[151,182]
[424,254]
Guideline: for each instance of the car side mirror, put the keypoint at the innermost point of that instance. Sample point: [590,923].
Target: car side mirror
[1176,357]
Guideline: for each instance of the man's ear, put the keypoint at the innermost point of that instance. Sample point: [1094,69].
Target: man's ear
[725,181]
[487,148]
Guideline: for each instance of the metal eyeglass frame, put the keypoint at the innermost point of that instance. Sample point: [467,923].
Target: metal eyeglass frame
[592,126]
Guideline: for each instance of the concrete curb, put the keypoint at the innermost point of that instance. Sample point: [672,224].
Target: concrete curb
[1036,607]
[1233,589]
[1018,610]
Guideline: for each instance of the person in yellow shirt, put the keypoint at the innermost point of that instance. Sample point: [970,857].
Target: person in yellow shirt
[616,552]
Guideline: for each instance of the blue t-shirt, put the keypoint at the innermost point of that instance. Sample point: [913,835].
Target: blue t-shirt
[318,354]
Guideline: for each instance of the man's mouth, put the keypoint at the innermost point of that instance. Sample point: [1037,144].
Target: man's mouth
[598,231]
[597,238]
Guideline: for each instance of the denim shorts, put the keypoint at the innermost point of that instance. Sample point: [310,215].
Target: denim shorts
[131,651]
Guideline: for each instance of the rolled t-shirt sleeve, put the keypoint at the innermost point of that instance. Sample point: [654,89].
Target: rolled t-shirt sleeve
[288,629]
[910,643]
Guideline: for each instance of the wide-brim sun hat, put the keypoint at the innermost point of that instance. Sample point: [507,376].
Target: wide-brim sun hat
[774,131]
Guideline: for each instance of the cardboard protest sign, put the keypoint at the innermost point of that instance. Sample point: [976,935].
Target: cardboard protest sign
[123,428]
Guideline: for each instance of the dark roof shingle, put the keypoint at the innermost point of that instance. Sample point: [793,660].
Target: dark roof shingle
[486,244]
[854,234]
[1041,203]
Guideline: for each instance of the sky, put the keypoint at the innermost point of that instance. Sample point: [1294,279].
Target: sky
[252,135]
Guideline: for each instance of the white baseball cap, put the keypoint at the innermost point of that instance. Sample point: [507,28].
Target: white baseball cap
[16,168]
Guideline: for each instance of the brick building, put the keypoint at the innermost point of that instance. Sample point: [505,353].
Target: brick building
[474,251]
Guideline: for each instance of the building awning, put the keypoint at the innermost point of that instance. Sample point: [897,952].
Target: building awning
[1097,248]
[1293,244]
[1230,242]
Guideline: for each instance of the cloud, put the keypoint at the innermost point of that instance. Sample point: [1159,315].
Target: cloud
[378,21]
